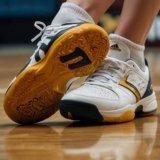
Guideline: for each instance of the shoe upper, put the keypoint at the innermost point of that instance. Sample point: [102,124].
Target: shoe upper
[48,35]
[115,83]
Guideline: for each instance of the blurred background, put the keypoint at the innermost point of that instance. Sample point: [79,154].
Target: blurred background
[17,18]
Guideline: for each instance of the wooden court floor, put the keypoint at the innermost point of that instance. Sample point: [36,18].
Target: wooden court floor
[59,139]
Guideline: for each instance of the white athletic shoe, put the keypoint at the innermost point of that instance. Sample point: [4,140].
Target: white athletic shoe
[116,92]
[64,52]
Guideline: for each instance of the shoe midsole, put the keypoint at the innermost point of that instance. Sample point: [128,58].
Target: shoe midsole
[149,104]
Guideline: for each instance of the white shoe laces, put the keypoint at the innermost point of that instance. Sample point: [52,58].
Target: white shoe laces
[45,31]
[111,71]
[40,26]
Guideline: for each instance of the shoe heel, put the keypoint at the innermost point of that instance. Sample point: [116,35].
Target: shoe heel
[148,107]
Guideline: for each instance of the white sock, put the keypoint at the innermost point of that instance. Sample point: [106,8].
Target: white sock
[124,49]
[71,13]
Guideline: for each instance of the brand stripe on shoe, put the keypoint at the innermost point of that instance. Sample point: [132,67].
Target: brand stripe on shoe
[130,87]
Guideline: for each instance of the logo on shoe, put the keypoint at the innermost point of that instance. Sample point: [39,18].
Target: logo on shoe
[115,47]
[77,53]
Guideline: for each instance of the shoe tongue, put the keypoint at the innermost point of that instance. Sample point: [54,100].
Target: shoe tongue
[119,51]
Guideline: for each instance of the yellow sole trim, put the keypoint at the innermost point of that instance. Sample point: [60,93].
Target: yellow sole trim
[125,117]
[128,86]
[36,92]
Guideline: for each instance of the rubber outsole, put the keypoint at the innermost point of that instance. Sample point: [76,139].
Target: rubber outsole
[36,92]
[83,111]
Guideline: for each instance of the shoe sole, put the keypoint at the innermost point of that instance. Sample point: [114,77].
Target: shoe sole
[77,110]
[36,92]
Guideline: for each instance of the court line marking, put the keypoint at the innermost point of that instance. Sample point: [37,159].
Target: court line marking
[3,90]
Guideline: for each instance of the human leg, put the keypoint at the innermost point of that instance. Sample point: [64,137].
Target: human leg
[93,7]
[136,19]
